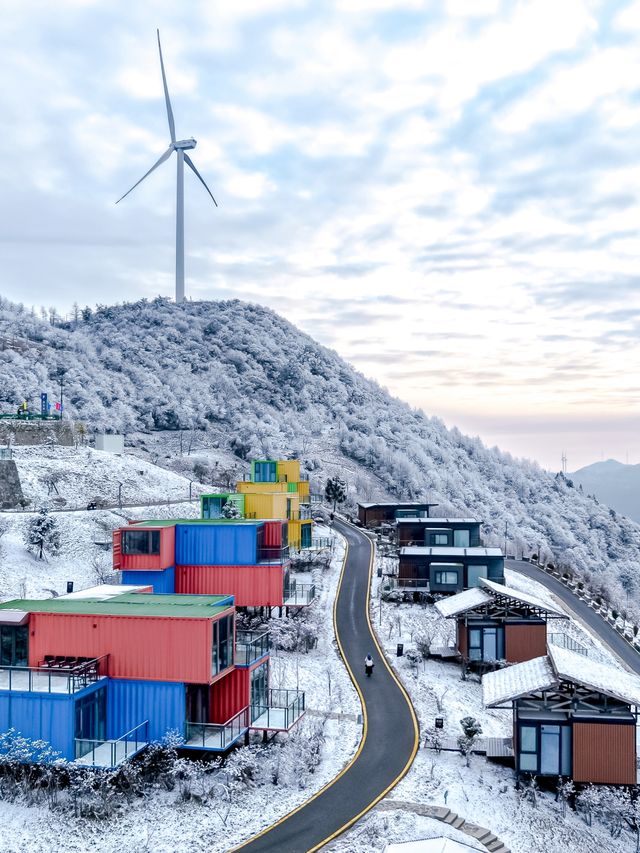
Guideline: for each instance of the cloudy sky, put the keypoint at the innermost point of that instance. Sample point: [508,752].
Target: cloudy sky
[447,193]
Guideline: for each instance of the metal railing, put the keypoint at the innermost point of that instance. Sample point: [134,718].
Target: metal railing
[54,675]
[217,736]
[319,542]
[110,753]
[564,641]
[281,710]
[299,593]
[251,645]
[273,555]
[300,515]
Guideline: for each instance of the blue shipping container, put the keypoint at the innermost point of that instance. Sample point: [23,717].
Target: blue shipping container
[161,581]
[217,544]
[43,716]
[130,703]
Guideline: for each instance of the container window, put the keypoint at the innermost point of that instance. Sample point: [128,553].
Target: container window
[474,573]
[14,645]
[305,536]
[259,690]
[438,539]
[141,542]
[222,645]
[446,574]
[461,538]
[91,716]
[528,752]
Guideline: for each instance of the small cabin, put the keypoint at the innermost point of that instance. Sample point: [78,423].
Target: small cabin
[571,717]
[439,532]
[496,623]
[377,513]
[448,570]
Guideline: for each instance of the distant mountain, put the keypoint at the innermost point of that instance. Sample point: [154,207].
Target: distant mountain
[612,483]
[244,380]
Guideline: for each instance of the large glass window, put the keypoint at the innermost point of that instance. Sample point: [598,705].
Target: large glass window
[305,536]
[486,643]
[14,641]
[545,749]
[91,716]
[264,472]
[222,645]
[461,538]
[446,574]
[140,542]
[259,690]
[529,748]
[474,573]
[438,539]
[212,506]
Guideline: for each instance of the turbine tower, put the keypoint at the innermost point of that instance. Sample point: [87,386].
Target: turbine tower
[180,146]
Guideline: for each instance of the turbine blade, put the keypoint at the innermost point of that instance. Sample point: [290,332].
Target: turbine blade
[189,163]
[161,160]
[172,127]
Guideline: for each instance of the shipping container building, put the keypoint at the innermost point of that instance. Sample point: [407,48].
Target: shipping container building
[149,546]
[449,532]
[448,570]
[572,717]
[496,623]
[375,514]
[98,674]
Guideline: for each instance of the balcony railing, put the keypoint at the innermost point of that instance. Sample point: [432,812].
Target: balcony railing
[55,675]
[273,555]
[281,710]
[301,515]
[217,737]
[111,753]
[299,594]
[316,498]
[567,642]
[250,646]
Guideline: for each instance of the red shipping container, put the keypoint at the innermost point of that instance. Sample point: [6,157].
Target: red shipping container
[273,534]
[145,647]
[131,562]
[251,586]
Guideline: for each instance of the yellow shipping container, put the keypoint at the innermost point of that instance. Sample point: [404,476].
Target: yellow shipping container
[289,470]
[245,487]
[271,505]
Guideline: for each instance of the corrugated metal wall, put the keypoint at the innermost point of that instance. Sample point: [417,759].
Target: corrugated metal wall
[154,562]
[524,642]
[229,695]
[162,581]
[216,544]
[43,716]
[272,534]
[604,753]
[252,586]
[265,505]
[141,647]
[247,487]
[289,469]
[131,702]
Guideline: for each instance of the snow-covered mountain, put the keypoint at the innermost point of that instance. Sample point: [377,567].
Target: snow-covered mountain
[614,483]
[246,382]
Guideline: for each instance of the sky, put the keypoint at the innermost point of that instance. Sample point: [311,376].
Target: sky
[447,193]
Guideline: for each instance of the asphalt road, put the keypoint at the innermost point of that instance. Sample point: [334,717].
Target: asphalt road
[597,624]
[390,736]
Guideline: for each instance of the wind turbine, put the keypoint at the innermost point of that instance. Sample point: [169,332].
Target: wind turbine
[180,146]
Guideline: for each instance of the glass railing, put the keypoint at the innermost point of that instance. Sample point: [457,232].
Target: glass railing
[54,675]
[567,642]
[250,646]
[299,593]
[280,709]
[300,515]
[217,736]
[273,555]
[111,753]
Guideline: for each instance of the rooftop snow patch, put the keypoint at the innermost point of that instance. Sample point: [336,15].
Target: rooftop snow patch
[463,601]
[503,685]
[609,680]
[500,589]
[418,519]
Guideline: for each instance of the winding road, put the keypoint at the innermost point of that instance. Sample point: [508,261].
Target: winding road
[581,609]
[390,731]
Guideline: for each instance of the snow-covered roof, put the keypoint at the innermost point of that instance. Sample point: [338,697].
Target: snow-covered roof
[431,520]
[559,665]
[104,591]
[425,551]
[610,680]
[396,503]
[503,685]
[516,595]
[430,845]
[463,601]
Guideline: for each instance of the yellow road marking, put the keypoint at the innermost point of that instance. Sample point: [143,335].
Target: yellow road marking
[365,724]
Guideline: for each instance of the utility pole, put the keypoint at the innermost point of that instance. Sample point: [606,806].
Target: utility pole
[564,461]
[506,533]
[120,494]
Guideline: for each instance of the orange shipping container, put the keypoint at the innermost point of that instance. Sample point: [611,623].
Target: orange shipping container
[251,586]
[143,647]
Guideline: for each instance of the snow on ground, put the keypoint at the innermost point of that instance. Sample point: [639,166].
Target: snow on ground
[483,793]
[162,825]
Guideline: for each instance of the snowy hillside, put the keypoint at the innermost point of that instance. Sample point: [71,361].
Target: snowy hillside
[614,483]
[244,381]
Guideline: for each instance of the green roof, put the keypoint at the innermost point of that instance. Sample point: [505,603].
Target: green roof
[129,604]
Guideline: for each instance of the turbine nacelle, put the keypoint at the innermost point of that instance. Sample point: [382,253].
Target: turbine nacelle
[184,144]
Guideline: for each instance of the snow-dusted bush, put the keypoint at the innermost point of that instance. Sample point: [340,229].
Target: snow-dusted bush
[42,535]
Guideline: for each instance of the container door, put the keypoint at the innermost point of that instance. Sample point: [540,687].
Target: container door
[460,538]
[490,644]
[259,690]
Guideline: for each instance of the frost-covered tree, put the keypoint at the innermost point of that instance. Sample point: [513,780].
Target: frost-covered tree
[230,510]
[42,535]
[335,491]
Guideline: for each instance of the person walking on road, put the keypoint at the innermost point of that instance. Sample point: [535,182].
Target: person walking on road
[368,665]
